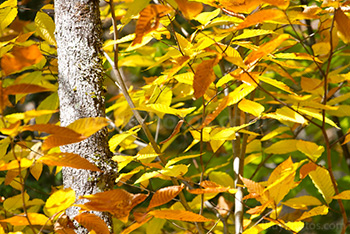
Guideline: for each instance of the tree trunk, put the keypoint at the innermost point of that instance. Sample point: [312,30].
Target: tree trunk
[81,94]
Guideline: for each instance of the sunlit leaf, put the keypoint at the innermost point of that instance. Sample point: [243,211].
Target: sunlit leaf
[59,201]
[23,163]
[135,226]
[8,12]
[203,77]
[145,25]
[345,195]
[19,58]
[302,202]
[251,107]
[282,147]
[181,215]
[239,93]
[117,201]
[310,149]
[259,17]
[342,22]
[45,27]
[67,160]
[189,9]
[221,178]
[322,180]
[22,220]
[319,210]
[92,222]
[164,195]
[88,126]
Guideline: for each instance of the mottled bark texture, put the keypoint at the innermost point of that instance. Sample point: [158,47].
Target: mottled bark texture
[81,94]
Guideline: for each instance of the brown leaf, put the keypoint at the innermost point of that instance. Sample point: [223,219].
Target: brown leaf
[246,6]
[118,202]
[68,160]
[209,187]
[203,77]
[306,169]
[210,117]
[175,131]
[24,89]
[92,222]
[181,215]
[135,226]
[149,20]
[164,195]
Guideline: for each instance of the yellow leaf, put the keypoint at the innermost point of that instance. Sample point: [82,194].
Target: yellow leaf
[21,220]
[246,6]
[88,126]
[205,17]
[274,133]
[281,180]
[92,222]
[189,9]
[342,22]
[59,201]
[282,147]
[36,170]
[177,159]
[310,149]
[283,4]
[14,165]
[15,202]
[319,210]
[174,170]
[181,215]
[45,27]
[321,48]
[302,202]
[315,114]
[8,13]
[258,228]
[67,160]
[162,109]
[276,83]
[251,107]
[221,178]
[286,114]
[322,180]
[345,195]
[239,93]
[164,195]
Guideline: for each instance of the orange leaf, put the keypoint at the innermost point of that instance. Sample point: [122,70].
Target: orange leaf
[256,190]
[265,49]
[209,187]
[259,17]
[149,20]
[279,3]
[246,6]
[19,58]
[24,88]
[68,160]
[210,117]
[342,22]
[118,202]
[306,169]
[175,131]
[181,215]
[92,222]
[189,9]
[21,220]
[203,77]
[135,226]
[164,195]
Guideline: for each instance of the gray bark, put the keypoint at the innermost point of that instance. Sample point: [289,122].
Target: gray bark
[81,94]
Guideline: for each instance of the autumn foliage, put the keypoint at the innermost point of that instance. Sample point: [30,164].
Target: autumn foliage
[243,102]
